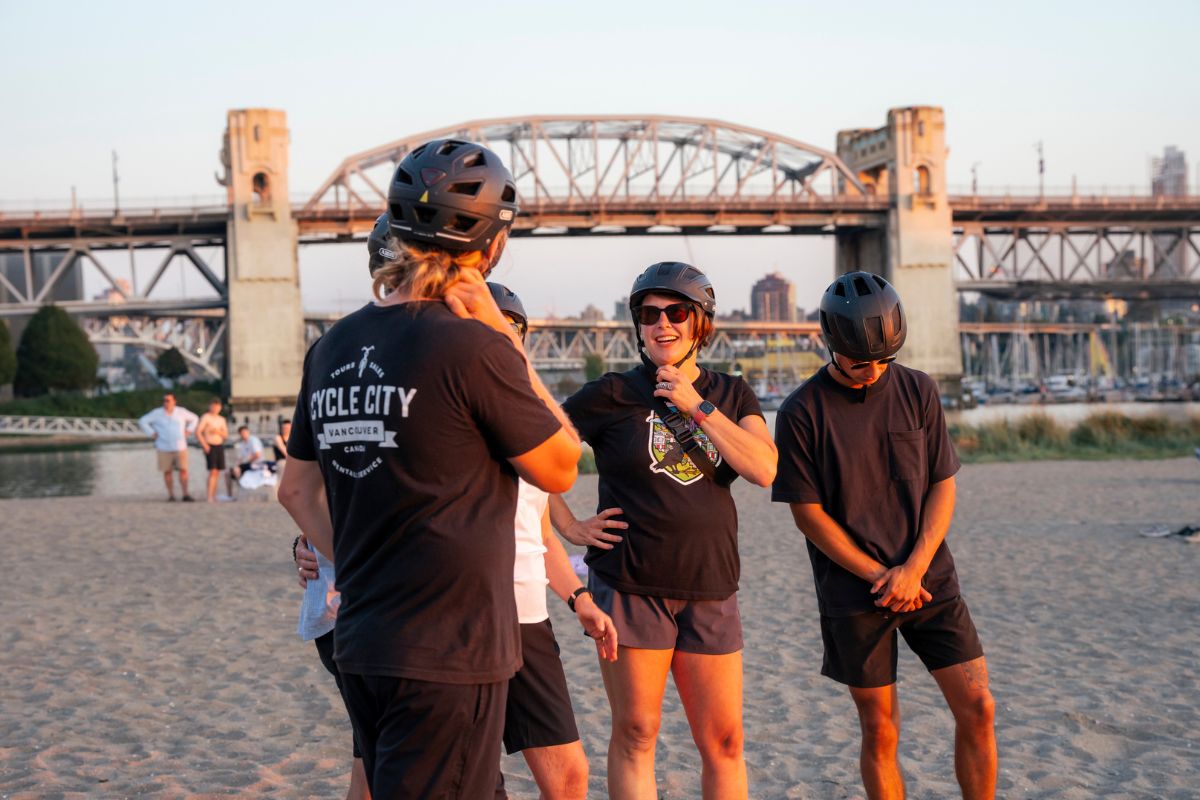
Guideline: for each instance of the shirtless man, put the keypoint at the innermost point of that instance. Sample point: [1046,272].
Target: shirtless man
[212,433]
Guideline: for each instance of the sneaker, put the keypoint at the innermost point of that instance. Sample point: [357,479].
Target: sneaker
[187,498]
[171,498]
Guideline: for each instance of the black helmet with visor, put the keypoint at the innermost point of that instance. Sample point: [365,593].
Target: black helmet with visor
[452,194]
[678,278]
[862,317]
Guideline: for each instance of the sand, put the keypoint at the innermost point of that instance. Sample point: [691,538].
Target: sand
[149,650]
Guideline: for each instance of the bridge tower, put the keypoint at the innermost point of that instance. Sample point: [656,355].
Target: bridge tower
[266,321]
[905,161]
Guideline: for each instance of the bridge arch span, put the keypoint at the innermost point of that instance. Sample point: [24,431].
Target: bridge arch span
[597,164]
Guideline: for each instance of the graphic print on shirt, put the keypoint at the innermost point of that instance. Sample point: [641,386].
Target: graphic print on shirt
[667,456]
[351,415]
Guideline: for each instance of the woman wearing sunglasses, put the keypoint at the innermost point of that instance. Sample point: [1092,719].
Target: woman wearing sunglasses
[662,551]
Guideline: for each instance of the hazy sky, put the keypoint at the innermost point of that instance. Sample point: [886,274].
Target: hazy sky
[1105,85]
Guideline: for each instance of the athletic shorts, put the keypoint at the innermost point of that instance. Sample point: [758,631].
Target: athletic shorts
[704,627]
[325,651]
[215,457]
[538,711]
[860,650]
[426,739]
[173,459]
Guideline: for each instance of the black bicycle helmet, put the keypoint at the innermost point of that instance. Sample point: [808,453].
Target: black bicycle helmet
[672,277]
[675,277]
[378,251]
[508,301]
[862,317]
[453,194]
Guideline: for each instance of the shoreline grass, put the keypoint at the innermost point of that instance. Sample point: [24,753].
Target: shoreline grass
[1101,436]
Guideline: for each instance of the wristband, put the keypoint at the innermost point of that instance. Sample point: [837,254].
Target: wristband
[575,595]
[295,544]
[703,411]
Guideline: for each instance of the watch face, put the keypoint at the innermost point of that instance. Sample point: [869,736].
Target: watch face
[707,408]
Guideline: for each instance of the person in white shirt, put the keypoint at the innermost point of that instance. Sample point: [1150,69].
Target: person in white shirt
[249,456]
[169,426]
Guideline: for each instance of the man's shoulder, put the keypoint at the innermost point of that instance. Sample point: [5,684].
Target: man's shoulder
[803,396]
[914,380]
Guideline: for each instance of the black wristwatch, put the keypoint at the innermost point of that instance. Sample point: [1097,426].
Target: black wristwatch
[703,411]
[575,595]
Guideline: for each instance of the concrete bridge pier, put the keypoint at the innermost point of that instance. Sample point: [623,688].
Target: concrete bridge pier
[905,161]
[266,321]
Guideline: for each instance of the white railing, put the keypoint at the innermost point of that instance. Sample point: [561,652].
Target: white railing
[97,427]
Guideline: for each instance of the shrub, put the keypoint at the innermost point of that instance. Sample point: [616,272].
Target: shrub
[8,356]
[54,354]
[1041,431]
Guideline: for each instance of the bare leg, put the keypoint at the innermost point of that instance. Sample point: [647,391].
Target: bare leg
[965,687]
[170,485]
[561,771]
[879,718]
[358,782]
[635,683]
[213,475]
[710,688]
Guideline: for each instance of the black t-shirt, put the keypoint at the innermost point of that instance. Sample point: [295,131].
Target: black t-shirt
[410,413]
[682,535]
[868,457]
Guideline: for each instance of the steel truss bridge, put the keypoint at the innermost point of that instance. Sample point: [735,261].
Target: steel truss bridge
[608,175]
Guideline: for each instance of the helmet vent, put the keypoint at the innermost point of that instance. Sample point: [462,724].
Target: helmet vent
[897,320]
[861,287]
[839,289]
[828,331]
[882,283]
[424,214]
[471,188]
[846,329]
[403,177]
[509,195]
[417,153]
[463,224]
[476,159]
[446,148]
[874,327]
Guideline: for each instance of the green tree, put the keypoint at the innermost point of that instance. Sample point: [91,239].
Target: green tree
[8,357]
[170,364]
[54,354]
[594,366]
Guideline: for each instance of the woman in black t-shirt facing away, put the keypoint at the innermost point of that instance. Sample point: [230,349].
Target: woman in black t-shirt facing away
[662,549]
[414,418]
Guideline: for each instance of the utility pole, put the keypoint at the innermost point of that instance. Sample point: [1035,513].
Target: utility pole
[975,178]
[116,180]
[1041,172]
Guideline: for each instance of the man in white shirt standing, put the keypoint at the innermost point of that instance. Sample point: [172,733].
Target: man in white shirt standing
[169,426]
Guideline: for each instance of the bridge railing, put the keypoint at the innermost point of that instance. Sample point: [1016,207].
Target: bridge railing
[97,427]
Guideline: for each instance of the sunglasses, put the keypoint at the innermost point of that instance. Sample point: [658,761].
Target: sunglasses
[676,313]
[883,362]
[518,327]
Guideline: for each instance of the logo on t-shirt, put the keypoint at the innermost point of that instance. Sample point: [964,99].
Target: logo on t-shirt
[667,456]
[350,415]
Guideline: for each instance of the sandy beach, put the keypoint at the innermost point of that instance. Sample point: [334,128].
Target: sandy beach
[150,650]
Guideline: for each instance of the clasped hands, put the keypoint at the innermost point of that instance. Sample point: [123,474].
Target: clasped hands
[899,589]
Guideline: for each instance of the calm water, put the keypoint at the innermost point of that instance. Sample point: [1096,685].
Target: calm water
[110,470]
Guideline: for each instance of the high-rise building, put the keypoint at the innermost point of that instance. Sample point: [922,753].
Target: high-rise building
[1168,175]
[1168,178]
[773,299]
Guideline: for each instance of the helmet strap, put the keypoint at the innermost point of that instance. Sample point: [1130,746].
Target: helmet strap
[838,367]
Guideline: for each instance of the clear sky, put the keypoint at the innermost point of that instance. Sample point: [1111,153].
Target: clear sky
[1105,85]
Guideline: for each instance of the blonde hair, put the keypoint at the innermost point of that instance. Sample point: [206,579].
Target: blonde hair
[424,273]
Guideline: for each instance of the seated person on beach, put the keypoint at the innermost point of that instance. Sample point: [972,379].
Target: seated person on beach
[249,456]
[867,466]
[212,433]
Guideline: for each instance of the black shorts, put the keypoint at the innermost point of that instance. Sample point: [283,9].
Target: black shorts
[215,457]
[325,651]
[426,739]
[860,650]
[538,711]
[704,627]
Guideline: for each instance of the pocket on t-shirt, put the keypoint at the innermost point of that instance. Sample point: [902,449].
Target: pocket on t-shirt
[906,450]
